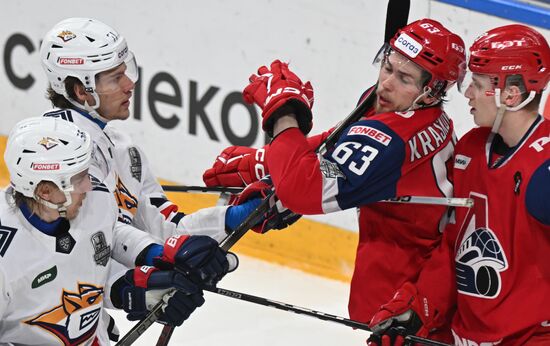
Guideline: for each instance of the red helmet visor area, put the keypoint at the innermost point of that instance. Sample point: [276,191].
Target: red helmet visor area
[437,50]
[512,50]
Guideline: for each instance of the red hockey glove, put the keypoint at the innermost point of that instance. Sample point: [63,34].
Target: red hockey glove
[237,166]
[277,216]
[278,92]
[407,313]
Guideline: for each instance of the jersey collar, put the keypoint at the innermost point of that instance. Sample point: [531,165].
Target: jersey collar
[48,228]
[99,123]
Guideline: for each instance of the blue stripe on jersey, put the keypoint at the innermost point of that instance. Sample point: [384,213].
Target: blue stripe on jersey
[537,196]
[48,228]
[370,156]
[99,123]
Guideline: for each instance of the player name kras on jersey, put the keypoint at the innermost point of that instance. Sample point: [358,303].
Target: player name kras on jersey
[430,138]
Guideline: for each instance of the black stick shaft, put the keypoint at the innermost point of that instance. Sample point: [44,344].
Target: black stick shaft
[312,313]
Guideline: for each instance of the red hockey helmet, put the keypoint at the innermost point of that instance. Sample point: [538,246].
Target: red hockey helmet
[440,52]
[512,50]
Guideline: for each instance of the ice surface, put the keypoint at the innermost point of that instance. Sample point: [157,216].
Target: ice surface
[226,321]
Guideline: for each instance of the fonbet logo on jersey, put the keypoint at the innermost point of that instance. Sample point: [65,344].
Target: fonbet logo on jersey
[370,132]
[74,320]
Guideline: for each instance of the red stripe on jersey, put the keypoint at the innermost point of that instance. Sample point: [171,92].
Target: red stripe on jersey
[172,208]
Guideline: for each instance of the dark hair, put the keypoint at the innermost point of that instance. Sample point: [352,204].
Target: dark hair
[59,100]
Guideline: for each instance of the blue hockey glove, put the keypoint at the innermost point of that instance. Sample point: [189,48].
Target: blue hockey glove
[277,216]
[142,288]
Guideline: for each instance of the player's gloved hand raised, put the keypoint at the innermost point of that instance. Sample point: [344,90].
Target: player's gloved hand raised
[278,91]
[140,289]
[199,257]
[237,166]
[407,313]
[277,216]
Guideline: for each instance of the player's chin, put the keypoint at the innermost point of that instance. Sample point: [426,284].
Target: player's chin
[123,114]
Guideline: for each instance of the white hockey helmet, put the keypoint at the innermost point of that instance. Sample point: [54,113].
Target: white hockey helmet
[48,149]
[82,48]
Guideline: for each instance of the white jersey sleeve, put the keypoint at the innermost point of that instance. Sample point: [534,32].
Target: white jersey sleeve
[128,242]
[4,293]
[144,204]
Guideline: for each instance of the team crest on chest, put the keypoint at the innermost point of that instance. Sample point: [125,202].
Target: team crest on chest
[75,319]
[479,263]
[102,251]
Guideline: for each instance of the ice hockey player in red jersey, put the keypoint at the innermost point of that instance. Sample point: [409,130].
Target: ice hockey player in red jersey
[492,265]
[401,147]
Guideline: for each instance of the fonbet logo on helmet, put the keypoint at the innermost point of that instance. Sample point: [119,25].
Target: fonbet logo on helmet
[70,61]
[48,149]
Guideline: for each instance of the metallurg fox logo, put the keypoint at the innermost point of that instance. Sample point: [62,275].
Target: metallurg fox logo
[75,319]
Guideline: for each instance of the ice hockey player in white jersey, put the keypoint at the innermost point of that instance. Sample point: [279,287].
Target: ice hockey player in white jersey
[58,235]
[92,75]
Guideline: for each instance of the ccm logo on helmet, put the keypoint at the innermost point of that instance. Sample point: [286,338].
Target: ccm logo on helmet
[123,52]
[408,45]
[511,67]
[45,166]
[70,61]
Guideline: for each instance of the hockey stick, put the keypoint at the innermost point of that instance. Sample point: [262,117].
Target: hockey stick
[204,189]
[157,310]
[312,313]
[397,13]
[445,201]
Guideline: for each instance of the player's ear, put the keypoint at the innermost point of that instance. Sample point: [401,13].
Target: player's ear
[512,96]
[44,190]
[80,92]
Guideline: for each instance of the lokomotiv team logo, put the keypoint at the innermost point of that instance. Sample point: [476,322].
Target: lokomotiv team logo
[480,258]
[75,320]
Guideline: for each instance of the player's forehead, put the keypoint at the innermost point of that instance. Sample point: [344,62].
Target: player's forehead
[481,78]
[113,71]
[404,65]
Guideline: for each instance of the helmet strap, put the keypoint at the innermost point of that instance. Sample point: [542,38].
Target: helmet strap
[529,98]
[87,108]
[502,108]
[416,105]
[61,208]
[93,110]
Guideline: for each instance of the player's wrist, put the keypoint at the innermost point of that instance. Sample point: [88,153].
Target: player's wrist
[283,123]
